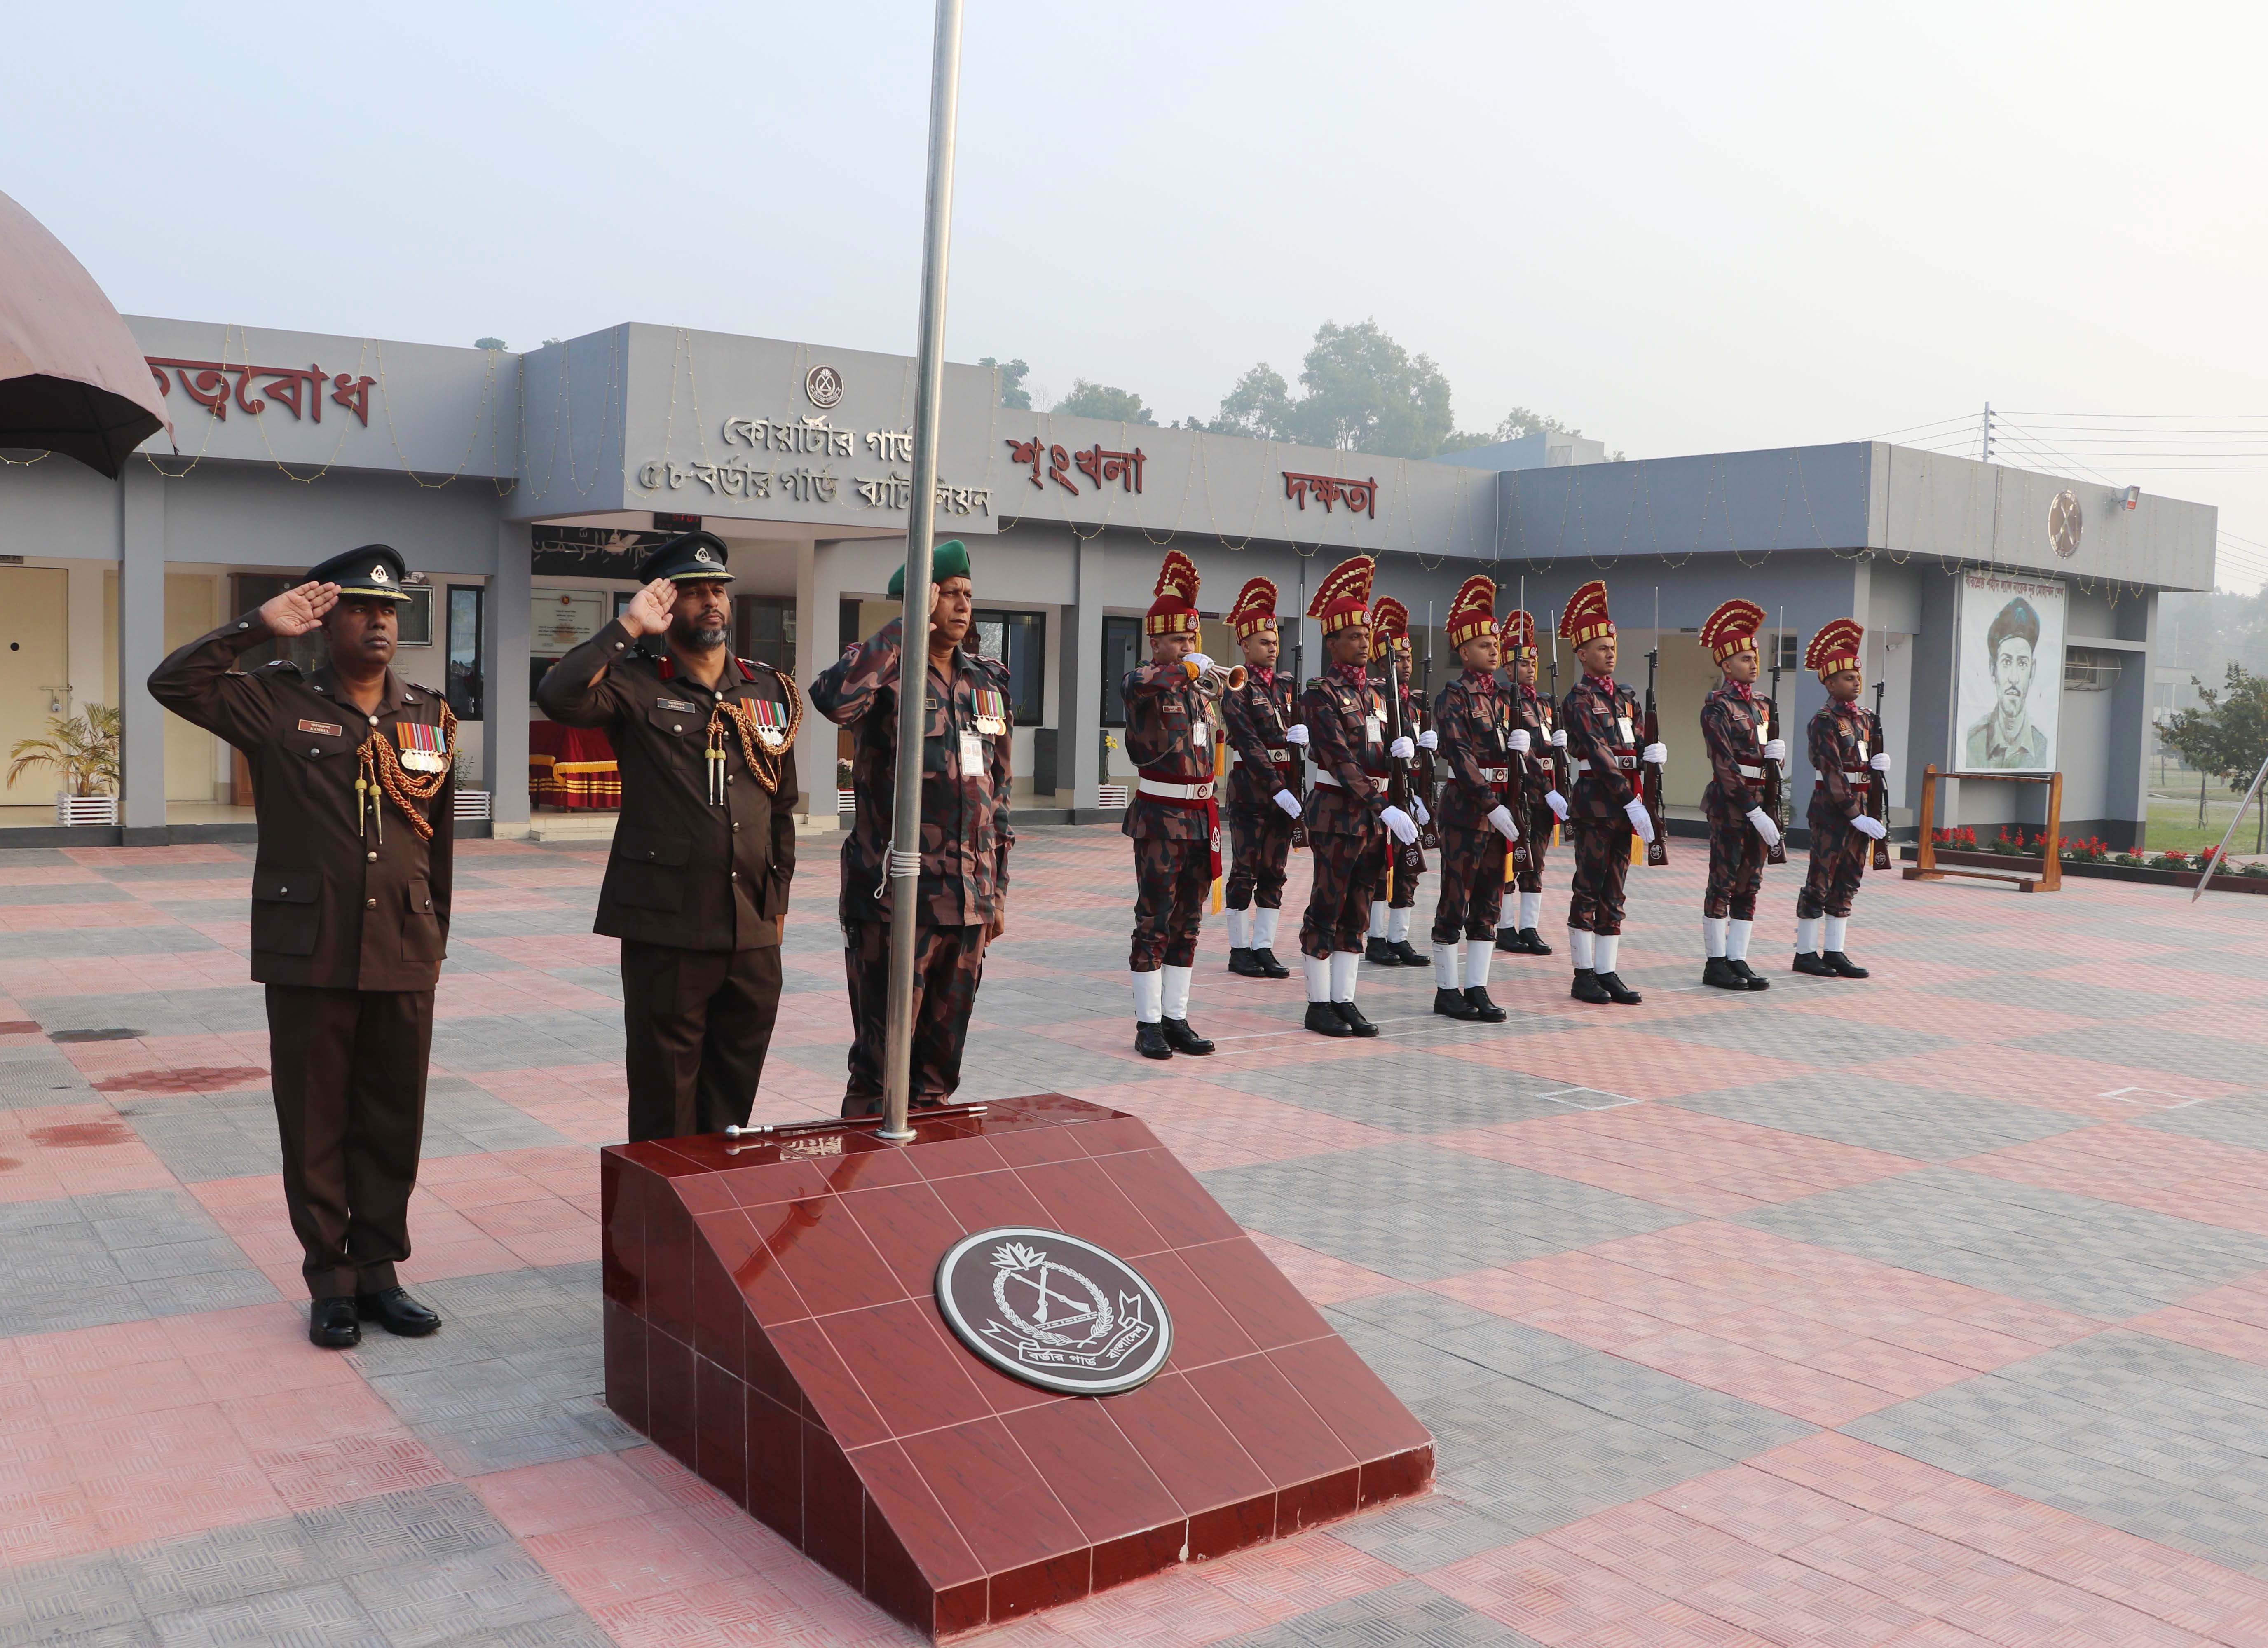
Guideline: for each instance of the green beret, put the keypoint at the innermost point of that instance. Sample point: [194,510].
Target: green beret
[951,560]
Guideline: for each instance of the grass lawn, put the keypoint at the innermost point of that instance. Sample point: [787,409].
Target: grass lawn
[2174,815]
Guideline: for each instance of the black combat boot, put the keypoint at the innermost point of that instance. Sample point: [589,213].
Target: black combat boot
[1477,997]
[1750,976]
[1452,1004]
[1809,961]
[1533,940]
[1406,953]
[1242,964]
[1182,1039]
[1840,965]
[1380,952]
[1617,991]
[1587,987]
[1264,964]
[1722,974]
[1512,941]
[1323,1020]
[1150,1041]
[1350,1016]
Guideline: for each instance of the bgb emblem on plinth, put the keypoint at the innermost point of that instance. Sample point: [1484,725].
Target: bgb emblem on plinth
[1053,1310]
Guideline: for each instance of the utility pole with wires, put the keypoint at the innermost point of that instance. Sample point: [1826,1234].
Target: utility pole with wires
[1988,432]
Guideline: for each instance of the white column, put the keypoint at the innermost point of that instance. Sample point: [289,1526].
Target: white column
[141,649]
[818,643]
[505,656]
[1078,720]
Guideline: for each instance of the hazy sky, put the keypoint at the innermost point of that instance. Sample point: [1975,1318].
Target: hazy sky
[1683,228]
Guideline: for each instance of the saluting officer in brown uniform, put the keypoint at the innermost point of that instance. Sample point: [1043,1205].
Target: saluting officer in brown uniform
[353,787]
[697,888]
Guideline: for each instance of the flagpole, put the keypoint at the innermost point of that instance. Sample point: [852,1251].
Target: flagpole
[921,533]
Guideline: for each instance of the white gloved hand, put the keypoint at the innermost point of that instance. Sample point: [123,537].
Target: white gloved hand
[1402,749]
[1428,739]
[1518,742]
[1557,803]
[1868,825]
[1776,750]
[1879,761]
[1655,755]
[1296,733]
[1419,807]
[1635,812]
[1560,738]
[1764,826]
[1500,818]
[1198,663]
[1289,802]
[1400,824]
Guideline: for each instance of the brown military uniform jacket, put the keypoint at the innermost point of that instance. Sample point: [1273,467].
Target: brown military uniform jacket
[1534,713]
[1842,738]
[1734,727]
[335,905]
[1473,721]
[1603,741]
[1255,718]
[1347,730]
[685,871]
[1170,737]
[965,779]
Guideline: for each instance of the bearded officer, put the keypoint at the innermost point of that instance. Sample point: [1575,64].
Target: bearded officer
[1539,744]
[1349,817]
[352,775]
[961,903]
[1737,731]
[697,888]
[1390,915]
[1175,816]
[1600,716]
[1260,723]
[1845,745]
[1477,809]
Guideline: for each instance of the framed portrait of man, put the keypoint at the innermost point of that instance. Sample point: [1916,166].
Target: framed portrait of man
[2008,674]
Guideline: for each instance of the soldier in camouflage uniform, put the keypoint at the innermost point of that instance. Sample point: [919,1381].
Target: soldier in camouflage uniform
[1263,802]
[1477,807]
[1737,731]
[1601,718]
[1538,741]
[1845,745]
[965,834]
[1389,943]
[1349,817]
[1175,816]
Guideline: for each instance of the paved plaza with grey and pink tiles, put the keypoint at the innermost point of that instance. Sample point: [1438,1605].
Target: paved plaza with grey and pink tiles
[1927,1310]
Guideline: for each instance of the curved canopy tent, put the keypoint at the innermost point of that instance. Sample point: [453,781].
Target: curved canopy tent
[72,380]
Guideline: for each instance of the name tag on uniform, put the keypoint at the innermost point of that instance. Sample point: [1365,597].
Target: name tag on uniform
[1200,731]
[972,752]
[323,727]
[1622,725]
[1764,726]
[1862,749]
[678,705]
[1370,729]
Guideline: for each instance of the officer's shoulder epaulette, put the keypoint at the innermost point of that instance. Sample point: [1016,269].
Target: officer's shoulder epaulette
[993,668]
[414,687]
[283,664]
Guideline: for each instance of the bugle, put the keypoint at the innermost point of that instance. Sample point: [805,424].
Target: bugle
[1219,679]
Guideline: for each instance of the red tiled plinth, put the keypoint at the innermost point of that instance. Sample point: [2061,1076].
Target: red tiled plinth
[769,1320]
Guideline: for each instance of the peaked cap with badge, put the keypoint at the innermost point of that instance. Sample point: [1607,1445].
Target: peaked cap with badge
[1174,611]
[374,571]
[1585,617]
[1254,609]
[1518,631]
[1835,648]
[1472,613]
[688,558]
[1732,629]
[1342,601]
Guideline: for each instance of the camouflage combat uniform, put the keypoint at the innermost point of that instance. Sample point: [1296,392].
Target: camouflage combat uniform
[1406,865]
[1259,831]
[1534,713]
[965,837]
[1472,718]
[1176,836]
[1734,728]
[1842,737]
[1601,720]
[1346,726]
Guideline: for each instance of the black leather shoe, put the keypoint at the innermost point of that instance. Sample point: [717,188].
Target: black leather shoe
[1406,953]
[1617,991]
[1452,1004]
[1841,965]
[1477,997]
[1266,966]
[331,1324]
[1533,940]
[1323,1020]
[393,1310]
[1809,961]
[1750,976]
[1720,973]
[1150,1041]
[1381,953]
[1350,1016]
[1240,963]
[1587,987]
[1512,941]
[1182,1039]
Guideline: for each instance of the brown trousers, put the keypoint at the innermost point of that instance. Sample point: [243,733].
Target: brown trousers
[698,1024]
[348,1068]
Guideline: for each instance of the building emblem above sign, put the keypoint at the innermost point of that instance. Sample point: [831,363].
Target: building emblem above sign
[2063,522]
[822,386]
[1053,1310]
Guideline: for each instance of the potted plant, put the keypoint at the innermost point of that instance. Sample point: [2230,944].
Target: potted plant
[84,751]
[846,800]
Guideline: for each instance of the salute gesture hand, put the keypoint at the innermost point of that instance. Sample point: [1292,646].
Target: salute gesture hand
[297,611]
[648,613]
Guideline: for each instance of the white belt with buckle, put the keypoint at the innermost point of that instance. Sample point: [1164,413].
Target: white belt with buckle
[1755,774]
[1327,778]
[1165,791]
[1497,775]
[1622,763]
[1862,775]
[1281,757]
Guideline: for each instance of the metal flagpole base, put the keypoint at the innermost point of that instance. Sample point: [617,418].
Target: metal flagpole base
[898,1137]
